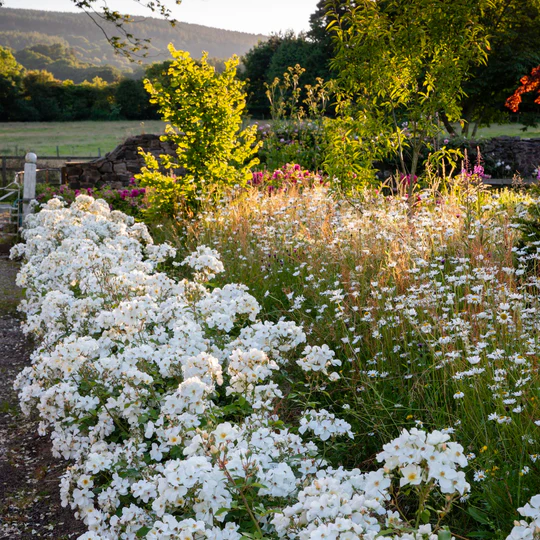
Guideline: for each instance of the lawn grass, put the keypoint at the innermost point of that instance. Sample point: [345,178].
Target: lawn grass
[509,130]
[72,138]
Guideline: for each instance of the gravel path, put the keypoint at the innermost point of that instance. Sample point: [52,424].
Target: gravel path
[29,474]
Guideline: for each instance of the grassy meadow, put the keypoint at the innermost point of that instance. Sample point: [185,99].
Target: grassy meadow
[508,130]
[72,138]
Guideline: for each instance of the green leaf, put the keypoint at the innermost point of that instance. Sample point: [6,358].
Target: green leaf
[424,516]
[478,515]
[142,532]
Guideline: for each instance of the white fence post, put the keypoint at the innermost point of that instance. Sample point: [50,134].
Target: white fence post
[29,186]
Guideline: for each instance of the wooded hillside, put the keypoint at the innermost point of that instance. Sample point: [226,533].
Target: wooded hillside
[22,28]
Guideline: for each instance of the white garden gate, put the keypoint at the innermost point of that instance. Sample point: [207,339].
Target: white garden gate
[16,197]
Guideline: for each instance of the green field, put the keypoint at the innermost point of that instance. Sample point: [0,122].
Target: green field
[71,138]
[91,138]
[510,130]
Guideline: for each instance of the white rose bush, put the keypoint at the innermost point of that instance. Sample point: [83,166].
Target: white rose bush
[169,398]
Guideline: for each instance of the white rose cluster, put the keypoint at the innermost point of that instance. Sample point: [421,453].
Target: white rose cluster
[527,530]
[318,359]
[163,395]
[347,505]
[206,261]
[324,424]
[421,457]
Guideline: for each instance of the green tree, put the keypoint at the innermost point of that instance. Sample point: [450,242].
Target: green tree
[270,59]
[9,67]
[158,72]
[47,99]
[44,92]
[11,88]
[512,29]
[49,52]
[32,59]
[292,51]
[404,61]
[203,110]
[321,37]
[133,100]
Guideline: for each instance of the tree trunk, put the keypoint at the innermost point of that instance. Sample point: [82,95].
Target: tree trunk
[448,126]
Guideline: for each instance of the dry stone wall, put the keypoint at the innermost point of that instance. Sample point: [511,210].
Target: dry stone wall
[117,167]
[511,155]
[502,157]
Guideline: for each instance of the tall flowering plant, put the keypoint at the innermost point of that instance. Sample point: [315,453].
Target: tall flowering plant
[288,176]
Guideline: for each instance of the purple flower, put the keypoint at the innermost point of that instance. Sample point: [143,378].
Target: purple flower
[406,179]
[257,178]
[478,170]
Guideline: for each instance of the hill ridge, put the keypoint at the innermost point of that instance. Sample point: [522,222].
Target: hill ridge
[21,28]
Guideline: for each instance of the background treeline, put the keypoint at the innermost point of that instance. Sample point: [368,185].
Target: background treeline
[46,83]
[37,96]
[62,62]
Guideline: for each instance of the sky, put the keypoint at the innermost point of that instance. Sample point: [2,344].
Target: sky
[254,16]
